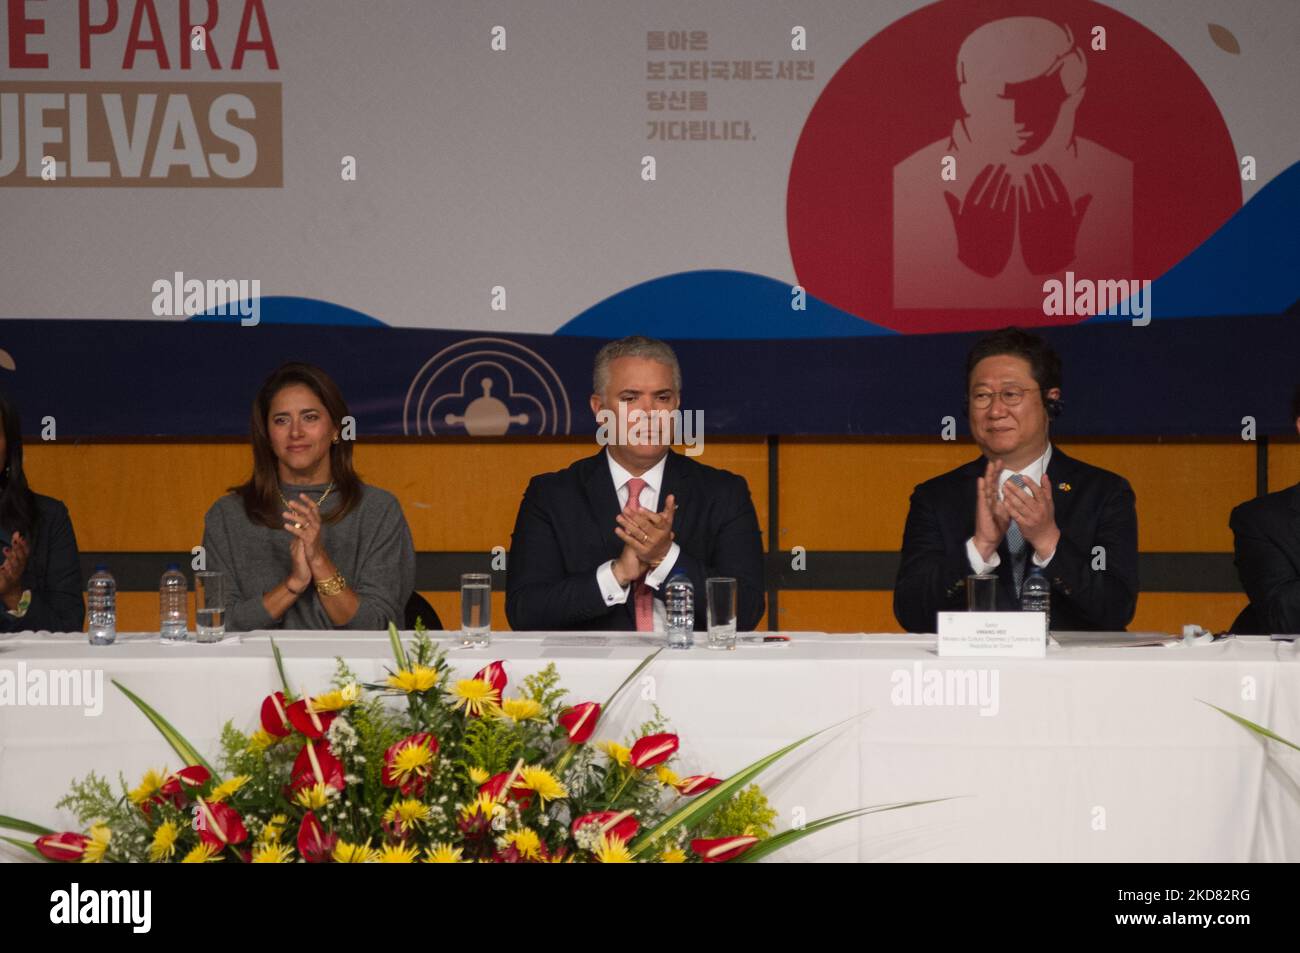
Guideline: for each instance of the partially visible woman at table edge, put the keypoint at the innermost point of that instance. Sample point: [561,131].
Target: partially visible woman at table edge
[40,580]
[304,544]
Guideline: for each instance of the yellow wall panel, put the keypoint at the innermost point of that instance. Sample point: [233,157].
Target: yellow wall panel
[807,610]
[1185,491]
[1170,611]
[1283,463]
[852,494]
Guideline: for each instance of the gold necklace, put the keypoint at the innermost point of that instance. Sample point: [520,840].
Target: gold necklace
[319,501]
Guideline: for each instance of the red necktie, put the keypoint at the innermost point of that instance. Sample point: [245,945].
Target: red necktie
[642,597]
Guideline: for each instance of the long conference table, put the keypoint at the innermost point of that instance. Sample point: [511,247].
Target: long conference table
[1094,753]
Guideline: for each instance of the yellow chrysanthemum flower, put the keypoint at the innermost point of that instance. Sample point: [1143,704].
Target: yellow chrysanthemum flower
[443,854]
[202,854]
[164,841]
[410,761]
[408,813]
[97,846]
[227,788]
[667,776]
[526,842]
[338,699]
[419,678]
[260,740]
[612,850]
[478,775]
[617,753]
[149,786]
[274,828]
[345,853]
[547,785]
[314,797]
[521,709]
[673,855]
[272,854]
[398,854]
[475,696]
[483,804]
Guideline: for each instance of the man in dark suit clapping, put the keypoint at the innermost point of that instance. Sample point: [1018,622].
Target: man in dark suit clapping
[1266,541]
[594,543]
[1023,504]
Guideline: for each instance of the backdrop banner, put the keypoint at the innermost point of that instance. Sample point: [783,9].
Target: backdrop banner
[450,206]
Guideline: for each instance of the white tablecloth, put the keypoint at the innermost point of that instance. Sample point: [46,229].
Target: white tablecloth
[1092,754]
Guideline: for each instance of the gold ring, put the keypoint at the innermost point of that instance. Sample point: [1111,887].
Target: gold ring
[297,526]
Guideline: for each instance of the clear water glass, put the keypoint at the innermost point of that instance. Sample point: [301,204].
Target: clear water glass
[475,609]
[721,592]
[209,606]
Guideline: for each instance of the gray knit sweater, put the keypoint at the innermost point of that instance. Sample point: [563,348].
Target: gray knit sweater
[371,547]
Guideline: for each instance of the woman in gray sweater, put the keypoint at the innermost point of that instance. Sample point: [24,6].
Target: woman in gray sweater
[304,544]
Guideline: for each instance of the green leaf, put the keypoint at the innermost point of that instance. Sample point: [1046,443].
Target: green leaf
[627,681]
[399,653]
[1247,723]
[30,848]
[786,838]
[27,827]
[697,810]
[279,667]
[188,753]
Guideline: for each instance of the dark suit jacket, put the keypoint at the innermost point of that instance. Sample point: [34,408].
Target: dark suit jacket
[53,574]
[1266,534]
[565,531]
[1098,509]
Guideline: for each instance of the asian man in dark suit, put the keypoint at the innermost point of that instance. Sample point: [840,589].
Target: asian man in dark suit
[594,543]
[1022,504]
[1266,544]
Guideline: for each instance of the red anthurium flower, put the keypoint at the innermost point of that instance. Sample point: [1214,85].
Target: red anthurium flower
[316,764]
[580,721]
[652,750]
[696,784]
[409,763]
[314,845]
[275,721]
[313,724]
[715,850]
[494,674]
[493,785]
[625,828]
[67,846]
[177,787]
[219,824]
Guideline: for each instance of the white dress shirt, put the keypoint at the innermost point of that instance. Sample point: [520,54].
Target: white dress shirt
[1033,475]
[613,593]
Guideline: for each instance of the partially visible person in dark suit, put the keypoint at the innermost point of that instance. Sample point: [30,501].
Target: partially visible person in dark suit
[594,543]
[1266,546]
[40,580]
[1024,503]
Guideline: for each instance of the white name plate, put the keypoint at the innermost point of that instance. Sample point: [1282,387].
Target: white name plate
[992,634]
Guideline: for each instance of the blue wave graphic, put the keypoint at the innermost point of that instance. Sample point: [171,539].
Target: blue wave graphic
[1251,265]
[715,304]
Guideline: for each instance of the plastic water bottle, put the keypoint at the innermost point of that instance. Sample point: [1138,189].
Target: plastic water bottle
[679,599]
[172,616]
[101,599]
[1036,596]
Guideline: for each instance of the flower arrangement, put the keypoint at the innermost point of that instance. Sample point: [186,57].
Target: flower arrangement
[424,767]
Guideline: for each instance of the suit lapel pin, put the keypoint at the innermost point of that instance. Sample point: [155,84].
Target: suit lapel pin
[1063,487]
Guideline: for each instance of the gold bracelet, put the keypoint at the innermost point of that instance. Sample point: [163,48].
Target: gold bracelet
[332,586]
